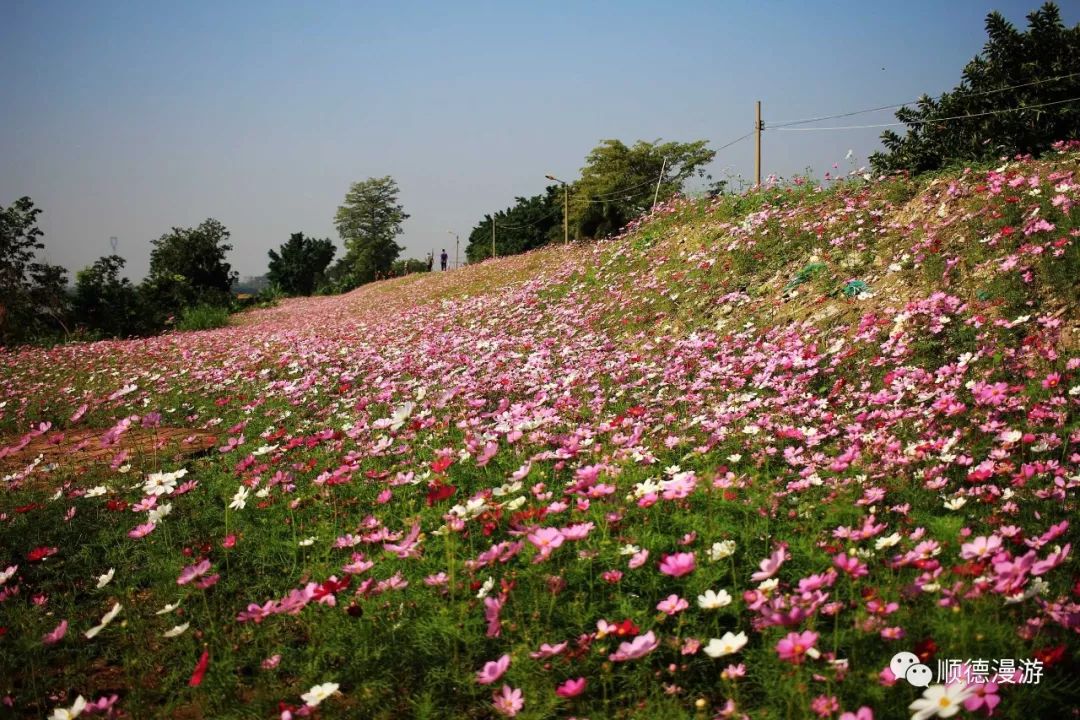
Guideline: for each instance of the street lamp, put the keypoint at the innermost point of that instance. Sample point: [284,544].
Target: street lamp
[566,207]
[456,242]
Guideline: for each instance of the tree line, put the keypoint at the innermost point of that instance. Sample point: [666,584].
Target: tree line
[1015,97]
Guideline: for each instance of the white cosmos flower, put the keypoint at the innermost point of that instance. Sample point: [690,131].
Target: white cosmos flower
[307,542]
[264,449]
[96,491]
[168,608]
[156,514]
[886,542]
[956,503]
[721,550]
[941,700]
[69,713]
[239,500]
[712,600]
[5,575]
[178,630]
[104,580]
[105,620]
[729,644]
[317,694]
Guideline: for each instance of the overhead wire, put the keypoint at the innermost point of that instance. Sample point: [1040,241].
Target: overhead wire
[786,123]
[926,122]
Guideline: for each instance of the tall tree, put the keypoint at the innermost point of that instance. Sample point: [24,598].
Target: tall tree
[618,182]
[106,302]
[368,222]
[188,267]
[33,296]
[299,267]
[530,223]
[1015,70]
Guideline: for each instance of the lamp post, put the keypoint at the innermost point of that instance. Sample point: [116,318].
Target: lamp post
[457,241]
[566,207]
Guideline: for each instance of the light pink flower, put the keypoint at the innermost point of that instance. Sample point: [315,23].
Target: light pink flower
[672,605]
[191,572]
[639,647]
[770,565]
[508,701]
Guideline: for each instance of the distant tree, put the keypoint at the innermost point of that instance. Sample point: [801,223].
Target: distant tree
[33,295]
[106,302]
[188,268]
[530,223]
[1031,60]
[618,182]
[368,222]
[299,267]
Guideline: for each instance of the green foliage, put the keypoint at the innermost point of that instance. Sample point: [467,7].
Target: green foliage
[188,268]
[618,182]
[1010,58]
[33,295]
[203,317]
[299,266]
[104,302]
[368,222]
[408,267]
[530,223]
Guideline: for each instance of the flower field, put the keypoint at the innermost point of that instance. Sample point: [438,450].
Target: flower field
[727,464]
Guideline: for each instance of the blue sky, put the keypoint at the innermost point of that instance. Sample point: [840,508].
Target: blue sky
[126,119]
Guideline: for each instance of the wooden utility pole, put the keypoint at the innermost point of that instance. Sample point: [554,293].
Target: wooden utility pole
[493,237]
[757,144]
[565,214]
[663,167]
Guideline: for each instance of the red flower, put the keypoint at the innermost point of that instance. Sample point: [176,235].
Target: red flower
[27,508]
[1050,656]
[926,649]
[438,492]
[200,669]
[627,628]
[40,553]
[442,463]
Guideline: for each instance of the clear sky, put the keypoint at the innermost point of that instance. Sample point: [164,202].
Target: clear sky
[128,118]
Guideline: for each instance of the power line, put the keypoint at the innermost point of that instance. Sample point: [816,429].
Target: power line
[927,122]
[520,227]
[804,121]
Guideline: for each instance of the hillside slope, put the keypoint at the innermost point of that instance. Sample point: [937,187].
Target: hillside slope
[728,462]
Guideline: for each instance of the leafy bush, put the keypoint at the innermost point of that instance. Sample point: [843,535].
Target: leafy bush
[203,317]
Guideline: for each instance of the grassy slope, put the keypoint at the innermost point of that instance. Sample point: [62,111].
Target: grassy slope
[800,411]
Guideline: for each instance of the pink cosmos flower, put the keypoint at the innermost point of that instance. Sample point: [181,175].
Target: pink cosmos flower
[546,651]
[638,559]
[639,647]
[863,713]
[492,670]
[770,565]
[985,697]
[191,572]
[271,662]
[57,634]
[851,565]
[508,701]
[796,645]
[672,605]
[678,564]
[141,531]
[546,539]
[571,688]
[980,548]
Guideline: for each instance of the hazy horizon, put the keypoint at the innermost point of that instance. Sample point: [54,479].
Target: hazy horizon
[129,119]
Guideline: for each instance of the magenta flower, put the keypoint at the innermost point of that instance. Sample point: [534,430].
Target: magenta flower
[546,539]
[639,647]
[863,713]
[508,701]
[571,688]
[546,651]
[192,572]
[796,645]
[985,697]
[678,564]
[492,670]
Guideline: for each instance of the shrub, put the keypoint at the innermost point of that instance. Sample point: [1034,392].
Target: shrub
[203,317]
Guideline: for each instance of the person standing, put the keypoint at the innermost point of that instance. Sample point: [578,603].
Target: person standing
[442,259]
